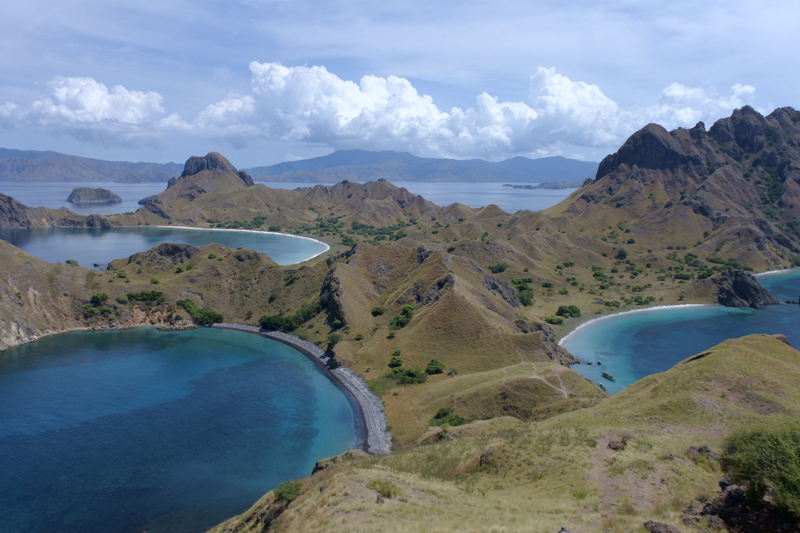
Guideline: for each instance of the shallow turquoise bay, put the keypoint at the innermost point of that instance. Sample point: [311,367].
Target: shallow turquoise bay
[158,431]
[631,346]
[93,245]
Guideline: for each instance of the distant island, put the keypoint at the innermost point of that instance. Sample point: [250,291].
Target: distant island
[550,185]
[88,195]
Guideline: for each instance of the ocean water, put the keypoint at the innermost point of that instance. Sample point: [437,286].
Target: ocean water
[631,346]
[168,432]
[54,194]
[101,246]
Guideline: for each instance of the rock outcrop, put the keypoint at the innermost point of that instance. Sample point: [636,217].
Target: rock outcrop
[740,289]
[88,195]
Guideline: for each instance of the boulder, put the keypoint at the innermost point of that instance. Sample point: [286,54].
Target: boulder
[658,527]
[740,289]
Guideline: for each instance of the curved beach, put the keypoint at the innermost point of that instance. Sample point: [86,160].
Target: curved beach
[326,245]
[376,439]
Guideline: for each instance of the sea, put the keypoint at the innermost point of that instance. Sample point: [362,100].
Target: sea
[164,432]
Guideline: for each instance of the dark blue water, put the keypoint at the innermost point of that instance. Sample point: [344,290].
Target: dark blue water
[164,432]
[101,246]
[634,345]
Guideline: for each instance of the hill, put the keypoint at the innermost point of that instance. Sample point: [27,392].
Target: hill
[31,165]
[362,165]
[507,475]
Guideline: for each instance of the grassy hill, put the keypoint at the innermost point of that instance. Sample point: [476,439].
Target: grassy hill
[508,475]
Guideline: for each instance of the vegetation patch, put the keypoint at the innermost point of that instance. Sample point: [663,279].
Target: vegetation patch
[197,314]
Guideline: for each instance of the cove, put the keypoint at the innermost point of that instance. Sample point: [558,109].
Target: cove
[101,246]
[633,345]
[142,430]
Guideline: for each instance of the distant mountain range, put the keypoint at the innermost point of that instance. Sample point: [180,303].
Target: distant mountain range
[32,165]
[353,165]
[362,165]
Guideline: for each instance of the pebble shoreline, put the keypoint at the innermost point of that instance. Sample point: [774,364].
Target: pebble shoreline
[376,440]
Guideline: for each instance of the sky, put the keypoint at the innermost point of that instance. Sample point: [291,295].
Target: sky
[267,81]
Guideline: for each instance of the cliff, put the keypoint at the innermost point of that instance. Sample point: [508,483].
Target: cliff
[740,289]
[88,195]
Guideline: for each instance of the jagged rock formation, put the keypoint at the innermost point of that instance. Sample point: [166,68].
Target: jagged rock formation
[740,289]
[88,195]
[734,188]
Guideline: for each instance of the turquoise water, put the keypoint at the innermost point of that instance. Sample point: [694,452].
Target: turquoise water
[101,246]
[634,345]
[142,430]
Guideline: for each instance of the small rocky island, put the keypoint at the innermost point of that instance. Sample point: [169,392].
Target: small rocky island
[88,195]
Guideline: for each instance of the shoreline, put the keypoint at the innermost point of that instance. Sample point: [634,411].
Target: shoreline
[580,325]
[325,244]
[375,438]
[781,271]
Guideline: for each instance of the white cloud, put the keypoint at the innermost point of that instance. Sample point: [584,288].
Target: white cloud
[311,104]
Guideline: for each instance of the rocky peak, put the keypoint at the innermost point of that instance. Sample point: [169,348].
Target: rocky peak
[651,147]
[212,161]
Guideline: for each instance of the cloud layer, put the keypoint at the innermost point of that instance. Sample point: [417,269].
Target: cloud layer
[313,105]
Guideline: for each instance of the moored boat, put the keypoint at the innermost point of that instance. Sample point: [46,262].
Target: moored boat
[608,376]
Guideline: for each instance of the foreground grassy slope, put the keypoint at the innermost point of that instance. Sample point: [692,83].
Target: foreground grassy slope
[507,475]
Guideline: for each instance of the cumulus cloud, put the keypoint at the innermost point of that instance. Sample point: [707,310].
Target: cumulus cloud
[311,104]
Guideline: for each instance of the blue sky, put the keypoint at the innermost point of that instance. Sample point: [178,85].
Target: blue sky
[265,81]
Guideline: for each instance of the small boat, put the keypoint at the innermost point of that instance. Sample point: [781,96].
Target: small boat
[601,385]
[608,376]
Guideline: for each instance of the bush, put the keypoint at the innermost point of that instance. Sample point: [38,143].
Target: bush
[287,491]
[359,337]
[122,299]
[212,255]
[98,298]
[407,376]
[525,297]
[405,316]
[89,311]
[378,310]
[396,361]
[547,285]
[199,315]
[435,367]
[499,267]
[154,281]
[766,461]
[631,241]
[274,228]
[333,340]
[555,320]
[122,274]
[178,270]
[290,323]
[622,254]
[147,297]
[72,262]
[568,311]
[272,297]
[445,415]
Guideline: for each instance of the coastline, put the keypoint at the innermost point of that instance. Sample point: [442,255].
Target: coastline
[581,324]
[771,272]
[376,440]
[326,245]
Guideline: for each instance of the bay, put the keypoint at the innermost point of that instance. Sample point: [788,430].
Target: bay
[101,246]
[633,345]
[167,432]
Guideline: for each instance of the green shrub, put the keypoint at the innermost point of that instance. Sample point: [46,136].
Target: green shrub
[445,415]
[333,340]
[547,285]
[274,228]
[197,314]
[435,367]
[98,298]
[212,255]
[291,323]
[499,267]
[766,461]
[405,316]
[622,254]
[89,311]
[359,337]
[122,274]
[272,297]
[555,320]
[122,299]
[72,262]
[631,241]
[525,297]
[396,361]
[568,311]
[378,310]
[154,281]
[287,491]
[147,297]
[407,376]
